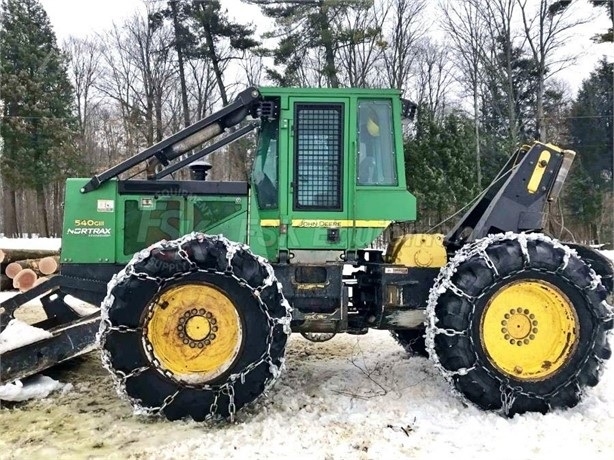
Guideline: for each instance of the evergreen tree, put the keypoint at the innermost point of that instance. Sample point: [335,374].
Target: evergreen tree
[213,28]
[590,124]
[37,120]
[608,5]
[304,26]
[203,30]
[441,165]
[590,128]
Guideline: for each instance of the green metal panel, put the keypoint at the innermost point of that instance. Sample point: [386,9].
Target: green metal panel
[145,219]
[308,227]
[263,234]
[89,223]
[219,215]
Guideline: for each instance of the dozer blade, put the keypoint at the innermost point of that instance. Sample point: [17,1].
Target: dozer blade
[67,341]
[69,333]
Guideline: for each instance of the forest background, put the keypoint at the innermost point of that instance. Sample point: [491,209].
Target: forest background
[487,75]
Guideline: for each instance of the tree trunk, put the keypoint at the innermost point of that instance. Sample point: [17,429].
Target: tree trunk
[24,280]
[9,211]
[540,127]
[330,69]
[476,121]
[12,270]
[42,212]
[57,215]
[44,266]
[179,49]
[215,62]
[14,255]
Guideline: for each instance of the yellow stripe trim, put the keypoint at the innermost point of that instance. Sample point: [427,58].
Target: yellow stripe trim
[270,223]
[539,171]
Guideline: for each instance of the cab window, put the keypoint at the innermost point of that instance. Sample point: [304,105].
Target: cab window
[264,174]
[376,156]
[318,164]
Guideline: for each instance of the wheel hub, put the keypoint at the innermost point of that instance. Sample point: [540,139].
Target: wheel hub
[193,332]
[197,328]
[529,329]
[519,326]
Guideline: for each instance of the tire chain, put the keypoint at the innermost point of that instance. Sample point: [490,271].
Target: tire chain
[443,283]
[227,388]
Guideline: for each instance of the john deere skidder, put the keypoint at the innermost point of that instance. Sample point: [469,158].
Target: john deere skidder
[200,282]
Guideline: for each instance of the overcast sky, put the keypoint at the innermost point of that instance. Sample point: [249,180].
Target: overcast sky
[83,17]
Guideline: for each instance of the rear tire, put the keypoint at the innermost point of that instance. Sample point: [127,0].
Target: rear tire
[195,327]
[518,323]
[412,340]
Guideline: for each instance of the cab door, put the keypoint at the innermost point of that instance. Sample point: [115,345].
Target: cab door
[318,208]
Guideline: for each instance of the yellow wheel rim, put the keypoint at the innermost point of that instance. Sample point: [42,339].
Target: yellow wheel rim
[194,331]
[529,330]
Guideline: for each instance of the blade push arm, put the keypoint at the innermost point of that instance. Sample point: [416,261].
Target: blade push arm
[516,201]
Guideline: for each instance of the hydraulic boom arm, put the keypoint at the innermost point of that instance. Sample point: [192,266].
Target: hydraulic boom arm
[171,148]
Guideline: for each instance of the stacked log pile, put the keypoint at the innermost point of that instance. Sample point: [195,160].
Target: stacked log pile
[22,269]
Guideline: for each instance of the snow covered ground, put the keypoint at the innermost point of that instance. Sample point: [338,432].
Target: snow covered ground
[354,397]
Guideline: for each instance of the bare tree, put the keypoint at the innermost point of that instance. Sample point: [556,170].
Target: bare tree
[546,29]
[360,44]
[434,77]
[139,76]
[253,66]
[202,87]
[498,16]
[406,26]
[85,69]
[466,27]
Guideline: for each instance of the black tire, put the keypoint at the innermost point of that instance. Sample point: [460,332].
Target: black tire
[458,324]
[412,340]
[220,267]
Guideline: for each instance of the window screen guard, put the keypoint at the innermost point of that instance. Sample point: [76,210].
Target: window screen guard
[318,156]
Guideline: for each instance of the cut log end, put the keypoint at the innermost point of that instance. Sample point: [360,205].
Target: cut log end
[12,270]
[2,256]
[48,265]
[25,279]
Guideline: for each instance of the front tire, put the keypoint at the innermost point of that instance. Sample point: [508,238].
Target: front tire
[518,323]
[195,327]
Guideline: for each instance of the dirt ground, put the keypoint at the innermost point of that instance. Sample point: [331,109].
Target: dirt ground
[90,421]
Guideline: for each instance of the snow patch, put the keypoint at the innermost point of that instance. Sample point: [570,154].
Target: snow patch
[407,318]
[37,387]
[17,334]
[35,244]
[80,307]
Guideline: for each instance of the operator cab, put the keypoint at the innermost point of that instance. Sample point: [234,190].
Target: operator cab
[328,176]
